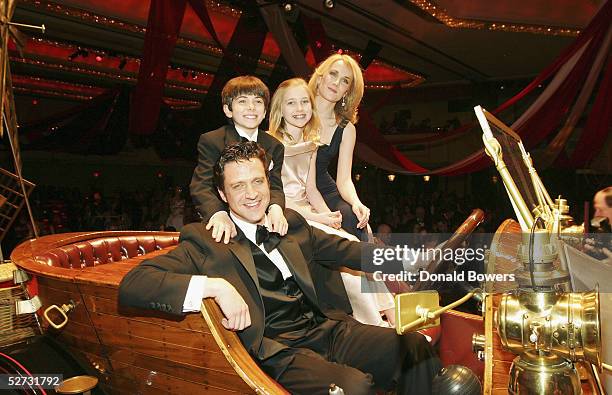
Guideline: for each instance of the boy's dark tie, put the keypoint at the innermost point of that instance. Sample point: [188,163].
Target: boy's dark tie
[269,239]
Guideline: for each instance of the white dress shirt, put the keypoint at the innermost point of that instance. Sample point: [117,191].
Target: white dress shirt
[244,134]
[197,283]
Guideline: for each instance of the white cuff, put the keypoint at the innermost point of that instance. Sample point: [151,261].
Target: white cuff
[195,292]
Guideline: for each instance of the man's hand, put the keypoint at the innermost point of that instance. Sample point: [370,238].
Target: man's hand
[222,227]
[332,219]
[233,306]
[362,213]
[277,220]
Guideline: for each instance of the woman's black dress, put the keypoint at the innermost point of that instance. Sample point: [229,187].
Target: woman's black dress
[326,154]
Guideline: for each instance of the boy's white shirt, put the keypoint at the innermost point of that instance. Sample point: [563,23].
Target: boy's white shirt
[244,134]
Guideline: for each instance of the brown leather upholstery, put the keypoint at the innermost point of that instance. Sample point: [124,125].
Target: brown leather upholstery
[104,250]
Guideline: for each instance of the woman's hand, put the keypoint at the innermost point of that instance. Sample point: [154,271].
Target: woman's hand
[332,219]
[362,213]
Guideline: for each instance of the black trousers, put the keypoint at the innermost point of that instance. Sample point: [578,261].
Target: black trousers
[356,357]
[349,220]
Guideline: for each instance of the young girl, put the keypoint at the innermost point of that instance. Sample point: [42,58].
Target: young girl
[296,125]
[337,84]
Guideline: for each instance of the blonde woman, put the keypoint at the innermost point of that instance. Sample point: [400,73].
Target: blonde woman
[294,123]
[337,84]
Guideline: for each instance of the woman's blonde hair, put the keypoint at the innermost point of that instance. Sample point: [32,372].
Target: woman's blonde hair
[353,95]
[277,123]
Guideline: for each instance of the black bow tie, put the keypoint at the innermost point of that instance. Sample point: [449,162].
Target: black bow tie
[269,239]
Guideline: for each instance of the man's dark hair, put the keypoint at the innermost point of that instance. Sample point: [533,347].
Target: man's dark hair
[244,85]
[237,152]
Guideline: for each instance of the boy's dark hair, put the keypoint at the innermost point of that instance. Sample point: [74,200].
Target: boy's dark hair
[244,85]
[237,152]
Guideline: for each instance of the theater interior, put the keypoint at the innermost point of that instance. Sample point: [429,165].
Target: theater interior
[483,124]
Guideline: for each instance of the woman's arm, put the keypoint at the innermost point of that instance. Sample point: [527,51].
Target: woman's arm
[312,193]
[304,211]
[343,176]
[333,220]
[324,215]
[345,165]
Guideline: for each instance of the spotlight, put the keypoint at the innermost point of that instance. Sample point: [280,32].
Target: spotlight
[288,7]
[426,178]
[391,177]
[329,4]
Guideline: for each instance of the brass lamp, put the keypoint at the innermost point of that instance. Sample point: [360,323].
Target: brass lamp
[547,326]
[549,331]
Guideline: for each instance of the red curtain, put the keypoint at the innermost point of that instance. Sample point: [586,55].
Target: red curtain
[537,123]
[598,125]
[163,26]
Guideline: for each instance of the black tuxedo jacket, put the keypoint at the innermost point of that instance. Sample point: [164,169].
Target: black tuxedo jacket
[311,255]
[203,191]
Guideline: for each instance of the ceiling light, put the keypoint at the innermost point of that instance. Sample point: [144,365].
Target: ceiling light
[329,4]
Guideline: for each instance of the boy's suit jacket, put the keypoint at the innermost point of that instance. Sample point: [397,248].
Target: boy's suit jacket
[203,191]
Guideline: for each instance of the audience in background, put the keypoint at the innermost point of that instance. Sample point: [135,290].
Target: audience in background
[60,210]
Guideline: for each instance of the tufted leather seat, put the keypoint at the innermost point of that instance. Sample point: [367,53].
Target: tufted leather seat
[104,250]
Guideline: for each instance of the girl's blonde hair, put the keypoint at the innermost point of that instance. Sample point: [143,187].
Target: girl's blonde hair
[353,95]
[277,123]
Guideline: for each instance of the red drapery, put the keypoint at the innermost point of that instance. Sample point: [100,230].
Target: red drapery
[597,129]
[537,123]
[163,26]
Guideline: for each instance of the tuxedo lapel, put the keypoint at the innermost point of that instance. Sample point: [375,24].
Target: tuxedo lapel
[239,246]
[296,262]
[231,135]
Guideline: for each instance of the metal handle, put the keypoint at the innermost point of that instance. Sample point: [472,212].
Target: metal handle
[66,308]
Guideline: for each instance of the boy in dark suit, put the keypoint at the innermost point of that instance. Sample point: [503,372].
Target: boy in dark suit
[245,100]
[270,292]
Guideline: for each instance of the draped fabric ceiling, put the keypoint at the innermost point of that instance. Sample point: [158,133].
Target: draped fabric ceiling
[172,58]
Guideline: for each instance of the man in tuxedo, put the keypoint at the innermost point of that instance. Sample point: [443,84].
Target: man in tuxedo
[269,289]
